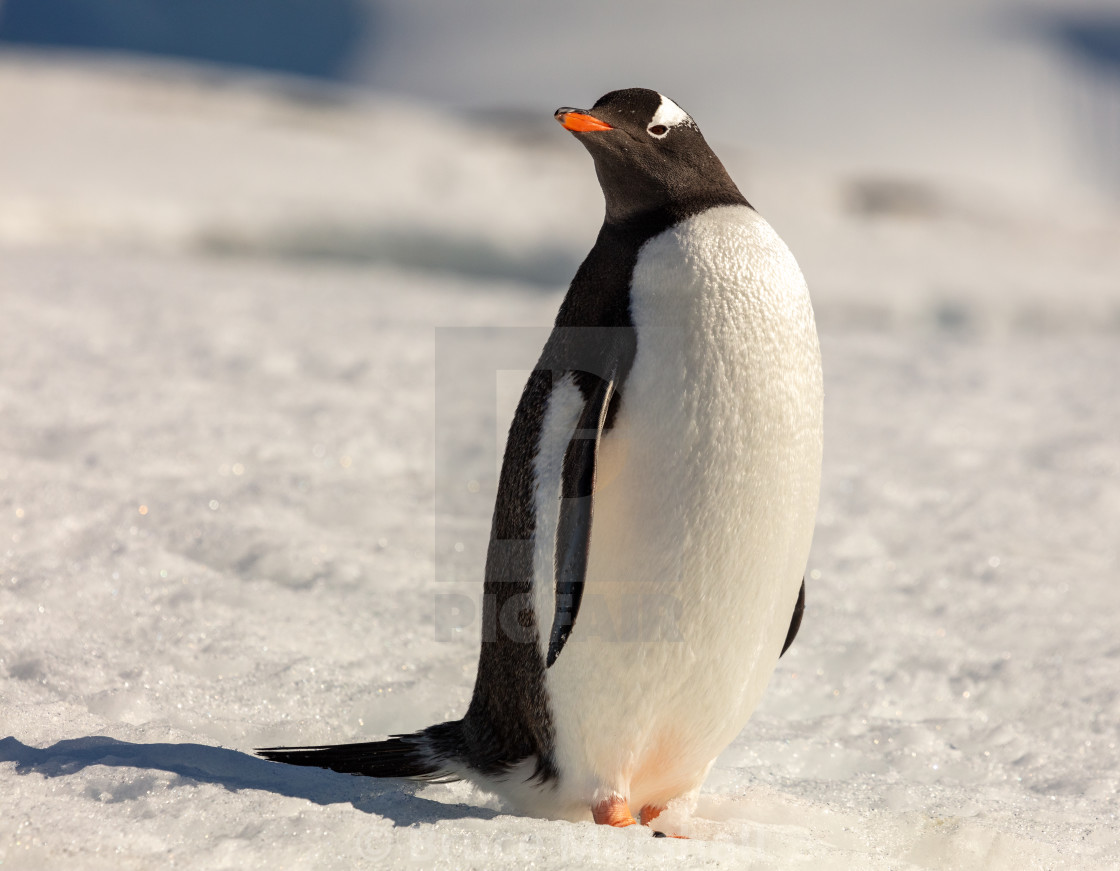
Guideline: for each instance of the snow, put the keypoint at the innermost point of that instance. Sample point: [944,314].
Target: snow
[254,384]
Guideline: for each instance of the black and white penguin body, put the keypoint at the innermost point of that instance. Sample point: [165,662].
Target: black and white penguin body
[656,502]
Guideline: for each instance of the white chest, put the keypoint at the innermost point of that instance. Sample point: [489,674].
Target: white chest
[706,495]
[714,464]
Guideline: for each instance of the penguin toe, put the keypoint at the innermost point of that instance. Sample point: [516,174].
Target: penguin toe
[613,811]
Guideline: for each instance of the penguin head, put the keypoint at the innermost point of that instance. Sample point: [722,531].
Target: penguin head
[649,155]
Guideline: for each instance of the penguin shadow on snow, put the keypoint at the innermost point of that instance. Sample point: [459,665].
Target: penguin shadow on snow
[392,799]
[236,771]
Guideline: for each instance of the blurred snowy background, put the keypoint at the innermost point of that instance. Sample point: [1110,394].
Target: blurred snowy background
[270,273]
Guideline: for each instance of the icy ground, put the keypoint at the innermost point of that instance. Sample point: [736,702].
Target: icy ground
[235,491]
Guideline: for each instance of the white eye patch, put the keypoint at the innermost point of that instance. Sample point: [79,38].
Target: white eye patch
[667,116]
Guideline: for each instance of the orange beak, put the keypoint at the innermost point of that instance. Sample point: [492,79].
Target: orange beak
[580,122]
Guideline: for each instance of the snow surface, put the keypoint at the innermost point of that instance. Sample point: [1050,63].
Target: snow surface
[255,376]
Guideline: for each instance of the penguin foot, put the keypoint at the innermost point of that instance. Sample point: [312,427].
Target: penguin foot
[613,811]
[649,813]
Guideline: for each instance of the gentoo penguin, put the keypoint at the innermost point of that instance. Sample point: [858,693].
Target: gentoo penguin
[655,505]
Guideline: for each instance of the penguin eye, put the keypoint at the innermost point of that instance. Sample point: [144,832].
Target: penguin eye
[657,131]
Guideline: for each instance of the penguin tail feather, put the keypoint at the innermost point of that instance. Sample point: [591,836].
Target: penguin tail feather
[420,755]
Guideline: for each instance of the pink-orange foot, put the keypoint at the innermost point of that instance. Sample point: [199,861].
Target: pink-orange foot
[649,813]
[613,811]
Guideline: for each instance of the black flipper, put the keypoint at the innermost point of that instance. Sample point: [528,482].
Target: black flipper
[418,756]
[573,530]
[795,623]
